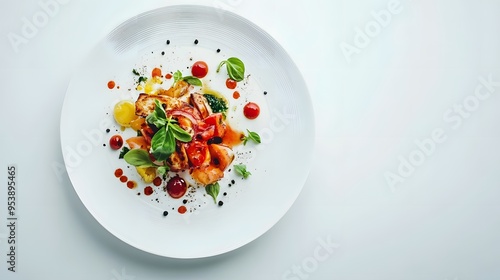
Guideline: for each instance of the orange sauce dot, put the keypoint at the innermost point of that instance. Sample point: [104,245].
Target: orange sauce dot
[182,209]
[168,76]
[231,84]
[156,72]
[111,84]
[236,95]
[123,179]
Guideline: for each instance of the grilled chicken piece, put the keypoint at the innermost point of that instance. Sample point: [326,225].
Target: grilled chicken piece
[201,104]
[145,104]
[222,156]
[208,175]
[177,90]
[178,160]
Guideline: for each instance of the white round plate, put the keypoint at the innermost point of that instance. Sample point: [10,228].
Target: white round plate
[279,165]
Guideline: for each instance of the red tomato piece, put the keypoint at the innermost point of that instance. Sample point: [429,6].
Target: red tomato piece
[251,110]
[116,142]
[199,69]
[197,153]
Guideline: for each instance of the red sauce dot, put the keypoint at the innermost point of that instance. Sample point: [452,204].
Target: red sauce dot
[168,76]
[118,172]
[157,181]
[236,95]
[131,184]
[111,84]
[182,209]
[231,84]
[148,190]
[123,179]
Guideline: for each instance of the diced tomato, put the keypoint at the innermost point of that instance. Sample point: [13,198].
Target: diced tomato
[197,153]
[138,142]
[217,121]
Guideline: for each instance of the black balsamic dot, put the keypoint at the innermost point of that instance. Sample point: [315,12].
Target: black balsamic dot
[229,185]
[221,203]
[168,42]
[225,193]
[165,213]
[234,182]
[196,42]
[265,92]
[218,50]
[162,53]
[104,145]
[108,130]
[185,201]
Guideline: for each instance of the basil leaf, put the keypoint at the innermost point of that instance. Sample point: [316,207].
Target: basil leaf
[192,81]
[138,157]
[162,170]
[163,144]
[235,68]
[242,170]
[141,79]
[177,76]
[213,190]
[251,136]
[218,105]
[123,152]
[179,133]
[157,117]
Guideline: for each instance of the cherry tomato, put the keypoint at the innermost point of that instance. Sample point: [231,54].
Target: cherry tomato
[230,83]
[251,110]
[197,153]
[176,187]
[116,142]
[199,69]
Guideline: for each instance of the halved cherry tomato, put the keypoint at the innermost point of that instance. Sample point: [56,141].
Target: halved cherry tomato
[197,153]
[199,69]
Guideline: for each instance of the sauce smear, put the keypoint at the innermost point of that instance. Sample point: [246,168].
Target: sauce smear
[232,137]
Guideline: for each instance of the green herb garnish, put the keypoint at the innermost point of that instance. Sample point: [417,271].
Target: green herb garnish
[163,141]
[217,104]
[241,169]
[123,152]
[235,68]
[188,79]
[139,158]
[251,136]
[213,190]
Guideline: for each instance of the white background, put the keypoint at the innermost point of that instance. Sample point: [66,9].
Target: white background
[441,222]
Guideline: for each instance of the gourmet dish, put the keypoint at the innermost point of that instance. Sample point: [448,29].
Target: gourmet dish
[182,138]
